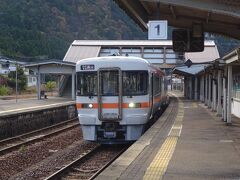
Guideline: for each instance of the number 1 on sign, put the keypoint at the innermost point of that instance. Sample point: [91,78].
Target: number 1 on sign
[158,29]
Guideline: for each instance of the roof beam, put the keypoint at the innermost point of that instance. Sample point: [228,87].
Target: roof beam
[135,8]
[206,5]
[208,17]
[211,26]
[173,12]
[224,15]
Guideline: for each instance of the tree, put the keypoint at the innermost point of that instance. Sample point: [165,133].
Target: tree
[21,79]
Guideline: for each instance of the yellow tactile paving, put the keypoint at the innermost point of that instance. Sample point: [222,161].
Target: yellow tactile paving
[158,167]
[194,105]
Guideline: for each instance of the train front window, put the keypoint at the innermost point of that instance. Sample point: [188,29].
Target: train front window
[135,83]
[109,83]
[86,83]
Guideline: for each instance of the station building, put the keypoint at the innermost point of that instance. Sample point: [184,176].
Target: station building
[159,53]
[216,83]
[7,64]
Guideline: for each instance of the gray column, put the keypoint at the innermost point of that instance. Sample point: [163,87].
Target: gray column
[190,88]
[203,90]
[185,87]
[206,90]
[73,86]
[182,85]
[38,83]
[196,89]
[209,91]
[214,95]
[58,82]
[200,89]
[224,98]
[219,105]
[229,96]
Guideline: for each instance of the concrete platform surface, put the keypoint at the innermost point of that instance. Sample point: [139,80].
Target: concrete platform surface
[23,105]
[187,142]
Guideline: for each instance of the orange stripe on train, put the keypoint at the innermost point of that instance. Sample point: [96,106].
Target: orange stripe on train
[111,105]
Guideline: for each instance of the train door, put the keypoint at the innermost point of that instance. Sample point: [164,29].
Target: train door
[110,94]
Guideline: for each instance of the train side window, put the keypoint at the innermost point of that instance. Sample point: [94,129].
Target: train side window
[86,83]
[160,84]
[156,85]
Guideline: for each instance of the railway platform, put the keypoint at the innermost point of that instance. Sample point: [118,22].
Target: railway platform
[30,114]
[30,104]
[187,142]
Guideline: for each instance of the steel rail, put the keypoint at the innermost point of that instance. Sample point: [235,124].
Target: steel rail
[13,143]
[106,165]
[58,175]
[65,169]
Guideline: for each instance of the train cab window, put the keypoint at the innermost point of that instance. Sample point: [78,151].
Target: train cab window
[86,83]
[135,83]
[109,83]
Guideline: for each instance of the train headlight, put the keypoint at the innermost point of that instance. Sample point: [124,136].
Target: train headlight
[131,105]
[134,105]
[87,106]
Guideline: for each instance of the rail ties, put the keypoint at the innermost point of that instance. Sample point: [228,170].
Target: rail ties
[90,164]
[10,144]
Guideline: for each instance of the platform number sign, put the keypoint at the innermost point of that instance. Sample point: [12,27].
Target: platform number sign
[157,30]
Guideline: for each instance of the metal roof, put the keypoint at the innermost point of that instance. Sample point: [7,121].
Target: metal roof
[78,52]
[12,61]
[218,16]
[210,53]
[81,49]
[193,70]
[129,43]
[50,62]
[233,56]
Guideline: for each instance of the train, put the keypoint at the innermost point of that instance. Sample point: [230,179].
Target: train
[117,96]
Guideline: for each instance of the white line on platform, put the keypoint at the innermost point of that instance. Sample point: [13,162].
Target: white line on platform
[29,108]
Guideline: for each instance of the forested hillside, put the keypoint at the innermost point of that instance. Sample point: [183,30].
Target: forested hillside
[47,27]
[35,28]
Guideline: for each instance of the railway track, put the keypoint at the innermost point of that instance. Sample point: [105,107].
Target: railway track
[13,143]
[89,164]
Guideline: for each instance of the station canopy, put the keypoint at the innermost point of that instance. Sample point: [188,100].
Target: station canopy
[218,16]
[186,71]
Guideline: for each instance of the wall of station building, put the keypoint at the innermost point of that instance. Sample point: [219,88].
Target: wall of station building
[155,55]
[236,92]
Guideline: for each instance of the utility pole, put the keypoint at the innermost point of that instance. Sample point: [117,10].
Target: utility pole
[16,83]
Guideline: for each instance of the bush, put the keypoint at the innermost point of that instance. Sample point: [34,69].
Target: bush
[50,85]
[3,80]
[4,90]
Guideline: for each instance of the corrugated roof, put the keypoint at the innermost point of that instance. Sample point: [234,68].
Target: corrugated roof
[78,52]
[81,49]
[193,70]
[50,62]
[210,53]
[129,43]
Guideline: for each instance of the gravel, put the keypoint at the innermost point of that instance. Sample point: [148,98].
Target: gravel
[22,161]
[55,162]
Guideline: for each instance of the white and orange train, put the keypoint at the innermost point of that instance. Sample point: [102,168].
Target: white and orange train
[117,96]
